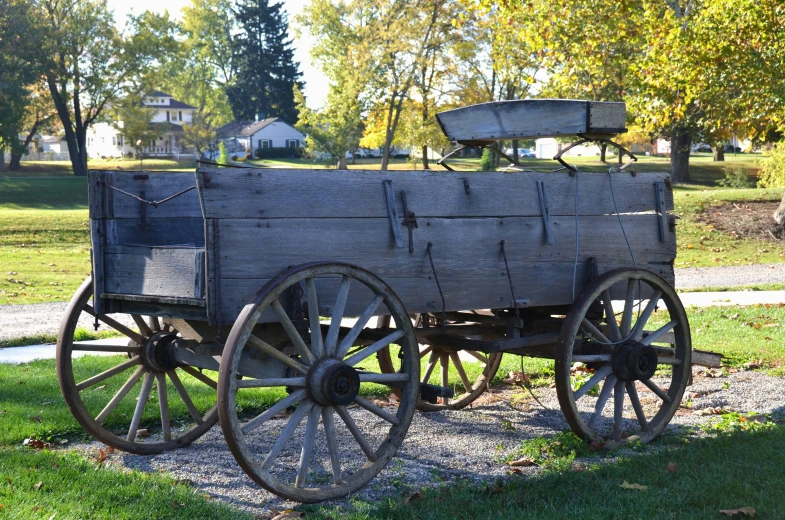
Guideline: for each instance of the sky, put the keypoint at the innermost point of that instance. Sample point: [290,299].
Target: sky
[315,85]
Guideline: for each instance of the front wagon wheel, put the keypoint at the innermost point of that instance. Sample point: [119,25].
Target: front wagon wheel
[624,358]
[123,389]
[338,423]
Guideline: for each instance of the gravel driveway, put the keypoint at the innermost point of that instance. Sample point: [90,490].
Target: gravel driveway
[443,446]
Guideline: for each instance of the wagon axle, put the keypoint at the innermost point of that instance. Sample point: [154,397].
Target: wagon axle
[633,361]
[158,352]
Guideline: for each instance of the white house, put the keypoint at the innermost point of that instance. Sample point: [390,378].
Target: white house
[104,139]
[248,136]
[547,147]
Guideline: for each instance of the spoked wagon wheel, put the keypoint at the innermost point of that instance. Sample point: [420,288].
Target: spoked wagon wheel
[475,371]
[99,390]
[643,359]
[329,372]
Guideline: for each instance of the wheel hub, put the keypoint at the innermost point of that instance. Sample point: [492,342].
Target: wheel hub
[633,361]
[158,352]
[331,382]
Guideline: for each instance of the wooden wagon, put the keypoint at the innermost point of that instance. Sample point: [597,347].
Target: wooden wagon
[253,292]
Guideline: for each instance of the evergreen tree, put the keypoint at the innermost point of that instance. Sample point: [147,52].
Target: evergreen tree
[263,60]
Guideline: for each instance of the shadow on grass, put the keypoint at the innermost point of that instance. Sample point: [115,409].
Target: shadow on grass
[43,192]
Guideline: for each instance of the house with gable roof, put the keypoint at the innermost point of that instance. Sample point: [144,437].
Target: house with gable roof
[241,137]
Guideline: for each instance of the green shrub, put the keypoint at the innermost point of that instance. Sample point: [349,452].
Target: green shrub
[278,153]
[772,168]
[223,158]
[736,177]
[487,161]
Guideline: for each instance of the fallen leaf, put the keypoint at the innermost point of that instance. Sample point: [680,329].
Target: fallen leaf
[35,418]
[516,471]
[525,461]
[413,497]
[2,506]
[143,433]
[742,511]
[671,467]
[711,410]
[38,485]
[286,515]
[36,444]
[101,456]
[516,378]
[627,485]
[578,466]
[596,445]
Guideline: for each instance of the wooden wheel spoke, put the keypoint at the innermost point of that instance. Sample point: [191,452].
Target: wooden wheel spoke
[155,323]
[384,379]
[618,409]
[163,405]
[626,316]
[456,360]
[431,366]
[636,405]
[144,329]
[654,336]
[201,377]
[374,348]
[427,350]
[602,399]
[92,347]
[598,376]
[354,332]
[651,385]
[331,341]
[637,331]
[332,445]
[292,332]
[119,327]
[147,385]
[308,441]
[273,381]
[610,317]
[280,406]
[444,362]
[594,331]
[178,385]
[313,318]
[286,433]
[273,352]
[384,414]
[122,367]
[111,405]
[356,433]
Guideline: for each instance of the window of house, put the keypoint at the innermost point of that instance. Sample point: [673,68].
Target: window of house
[293,143]
[114,140]
[180,115]
[265,143]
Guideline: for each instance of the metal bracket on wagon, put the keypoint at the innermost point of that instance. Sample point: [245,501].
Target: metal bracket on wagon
[432,393]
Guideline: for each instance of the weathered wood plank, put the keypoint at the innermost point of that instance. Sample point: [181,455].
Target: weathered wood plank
[98,242]
[521,118]
[174,231]
[542,283]
[262,248]
[152,271]
[155,185]
[262,193]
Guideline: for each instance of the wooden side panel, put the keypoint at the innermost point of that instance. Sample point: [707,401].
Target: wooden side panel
[261,248]
[529,118]
[152,186]
[154,271]
[261,193]
[174,231]
[543,283]
[98,243]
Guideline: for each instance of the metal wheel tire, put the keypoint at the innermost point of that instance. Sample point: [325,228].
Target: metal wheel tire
[93,399]
[596,350]
[444,358]
[299,462]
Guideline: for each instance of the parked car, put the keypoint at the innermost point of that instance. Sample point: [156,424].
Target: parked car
[522,152]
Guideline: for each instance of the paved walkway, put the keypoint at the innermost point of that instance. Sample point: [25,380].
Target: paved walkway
[729,276]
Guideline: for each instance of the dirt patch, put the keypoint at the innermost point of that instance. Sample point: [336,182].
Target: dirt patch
[745,220]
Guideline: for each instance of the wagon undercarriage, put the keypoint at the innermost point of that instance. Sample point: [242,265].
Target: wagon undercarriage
[292,306]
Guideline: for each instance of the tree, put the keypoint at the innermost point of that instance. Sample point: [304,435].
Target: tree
[200,134]
[263,61]
[89,63]
[39,116]
[20,32]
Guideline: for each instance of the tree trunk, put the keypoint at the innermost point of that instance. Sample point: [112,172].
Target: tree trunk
[603,149]
[16,159]
[719,152]
[779,214]
[2,159]
[425,165]
[515,156]
[342,162]
[619,156]
[681,142]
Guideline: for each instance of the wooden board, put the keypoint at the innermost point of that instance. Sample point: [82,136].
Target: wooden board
[518,119]
[542,283]
[261,248]
[173,231]
[154,271]
[262,193]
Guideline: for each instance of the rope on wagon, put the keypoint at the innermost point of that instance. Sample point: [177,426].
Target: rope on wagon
[153,203]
